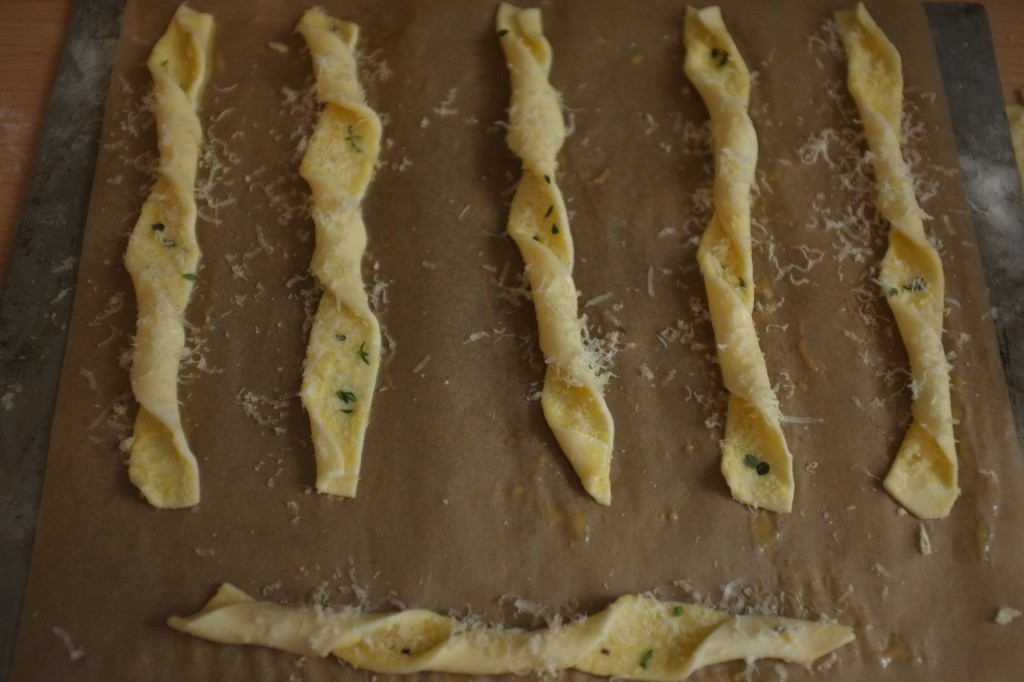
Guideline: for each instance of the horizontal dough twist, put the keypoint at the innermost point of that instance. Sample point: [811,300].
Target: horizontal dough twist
[923,478]
[572,400]
[756,461]
[162,257]
[343,354]
[636,637]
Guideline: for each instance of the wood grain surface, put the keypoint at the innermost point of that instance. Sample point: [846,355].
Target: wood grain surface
[31,36]
[32,33]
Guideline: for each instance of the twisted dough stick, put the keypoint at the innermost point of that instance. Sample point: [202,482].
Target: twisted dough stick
[923,478]
[161,258]
[756,461]
[636,637]
[572,401]
[344,343]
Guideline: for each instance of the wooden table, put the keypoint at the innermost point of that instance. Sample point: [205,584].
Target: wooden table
[32,32]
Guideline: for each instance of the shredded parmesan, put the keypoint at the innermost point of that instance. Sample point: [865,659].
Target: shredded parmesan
[924,542]
[1007,615]
[75,652]
[422,364]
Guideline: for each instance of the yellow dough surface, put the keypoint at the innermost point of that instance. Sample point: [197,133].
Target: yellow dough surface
[923,478]
[343,354]
[636,637]
[1015,117]
[161,258]
[572,398]
[756,460]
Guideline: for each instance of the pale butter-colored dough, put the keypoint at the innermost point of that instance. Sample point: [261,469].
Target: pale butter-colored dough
[572,400]
[923,478]
[753,431]
[1015,117]
[636,637]
[343,354]
[162,257]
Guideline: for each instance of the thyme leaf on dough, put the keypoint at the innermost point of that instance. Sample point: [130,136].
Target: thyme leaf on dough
[761,467]
[353,139]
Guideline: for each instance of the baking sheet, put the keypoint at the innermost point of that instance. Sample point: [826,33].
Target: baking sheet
[990,171]
[465,498]
[38,290]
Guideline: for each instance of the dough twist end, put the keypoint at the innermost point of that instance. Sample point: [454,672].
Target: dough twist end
[161,466]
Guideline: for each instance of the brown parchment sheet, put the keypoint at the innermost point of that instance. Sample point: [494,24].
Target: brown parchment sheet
[466,502]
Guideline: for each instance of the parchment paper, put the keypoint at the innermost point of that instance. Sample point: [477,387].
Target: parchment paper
[466,503]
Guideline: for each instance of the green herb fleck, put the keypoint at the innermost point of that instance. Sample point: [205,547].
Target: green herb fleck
[721,55]
[363,355]
[168,242]
[752,462]
[348,411]
[353,139]
[605,652]
[340,337]
[893,291]
[406,652]
[190,276]
[781,629]
[554,229]
[164,63]
[622,330]
[346,397]
[677,611]
[334,27]
[547,179]
[158,227]
[646,658]
[916,284]
[536,238]
[550,209]
[502,33]
[743,283]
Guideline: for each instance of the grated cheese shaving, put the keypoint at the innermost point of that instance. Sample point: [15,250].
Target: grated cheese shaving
[75,652]
[924,542]
[1006,615]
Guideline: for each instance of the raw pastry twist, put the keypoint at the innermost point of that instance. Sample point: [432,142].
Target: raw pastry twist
[636,637]
[162,256]
[756,461]
[923,478]
[538,223]
[343,354]
[1015,117]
